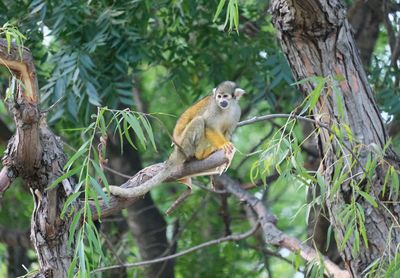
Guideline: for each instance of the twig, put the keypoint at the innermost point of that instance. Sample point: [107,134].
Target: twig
[235,237]
[109,169]
[302,118]
[255,147]
[53,105]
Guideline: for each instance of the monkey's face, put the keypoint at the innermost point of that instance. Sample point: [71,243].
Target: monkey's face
[223,100]
[226,94]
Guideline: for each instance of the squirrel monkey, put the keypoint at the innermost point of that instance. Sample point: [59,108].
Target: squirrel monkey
[202,129]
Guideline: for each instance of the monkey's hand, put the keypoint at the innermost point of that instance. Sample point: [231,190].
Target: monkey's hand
[229,150]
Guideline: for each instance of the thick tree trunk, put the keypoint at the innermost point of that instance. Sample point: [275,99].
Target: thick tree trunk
[365,18]
[316,39]
[35,154]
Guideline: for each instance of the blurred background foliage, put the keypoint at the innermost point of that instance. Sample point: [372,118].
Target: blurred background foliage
[160,57]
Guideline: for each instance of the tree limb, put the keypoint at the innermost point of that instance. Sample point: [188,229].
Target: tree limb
[6,178]
[22,66]
[235,237]
[189,168]
[275,236]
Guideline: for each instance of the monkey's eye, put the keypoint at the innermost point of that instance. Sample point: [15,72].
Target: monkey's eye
[219,96]
[225,96]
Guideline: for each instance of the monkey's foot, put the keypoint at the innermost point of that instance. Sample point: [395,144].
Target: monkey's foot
[229,150]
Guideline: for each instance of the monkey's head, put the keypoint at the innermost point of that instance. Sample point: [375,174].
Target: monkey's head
[227,93]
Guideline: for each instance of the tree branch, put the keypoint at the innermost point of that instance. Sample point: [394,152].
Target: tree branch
[275,236]
[187,169]
[235,237]
[22,66]
[6,178]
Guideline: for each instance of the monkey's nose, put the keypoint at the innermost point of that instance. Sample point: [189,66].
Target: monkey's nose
[224,104]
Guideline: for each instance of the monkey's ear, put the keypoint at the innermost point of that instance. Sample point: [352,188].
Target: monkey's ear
[238,93]
[214,90]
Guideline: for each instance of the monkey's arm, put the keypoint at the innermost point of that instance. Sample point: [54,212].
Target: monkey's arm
[219,141]
[188,116]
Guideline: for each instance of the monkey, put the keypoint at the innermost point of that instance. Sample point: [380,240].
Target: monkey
[205,127]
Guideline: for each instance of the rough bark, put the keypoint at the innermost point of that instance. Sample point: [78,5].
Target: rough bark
[36,155]
[315,37]
[365,18]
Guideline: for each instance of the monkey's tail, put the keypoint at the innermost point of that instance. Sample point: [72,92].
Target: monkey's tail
[143,188]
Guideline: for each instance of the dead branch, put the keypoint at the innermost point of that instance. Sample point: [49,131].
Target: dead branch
[190,168]
[235,237]
[275,236]
[22,66]
[6,178]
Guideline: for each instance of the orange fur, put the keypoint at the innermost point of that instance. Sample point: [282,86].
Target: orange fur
[216,138]
[188,116]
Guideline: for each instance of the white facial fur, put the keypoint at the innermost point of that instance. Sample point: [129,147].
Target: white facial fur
[227,92]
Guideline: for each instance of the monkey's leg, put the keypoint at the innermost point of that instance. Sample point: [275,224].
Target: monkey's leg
[191,137]
[202,154]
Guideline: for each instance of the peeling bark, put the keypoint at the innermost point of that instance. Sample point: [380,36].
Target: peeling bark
[316,39]
[35,154]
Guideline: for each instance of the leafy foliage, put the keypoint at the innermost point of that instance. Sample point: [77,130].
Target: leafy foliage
[92,54]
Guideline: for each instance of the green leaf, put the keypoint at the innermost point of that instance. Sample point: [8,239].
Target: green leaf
[348,132]
[65,176]
[149,130]
[394,188]
[346,237]
[328,237]
[8,38]
[93,236]
[363,232]
[339,100]
[316,93]
[127,134]
[99,190]
[219,9]
[81,255]
[69,200]
[72,228]
[81,150]
[368,198]
[72,266]
[297,260]
[387,176]
[100,173]
[236,16]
